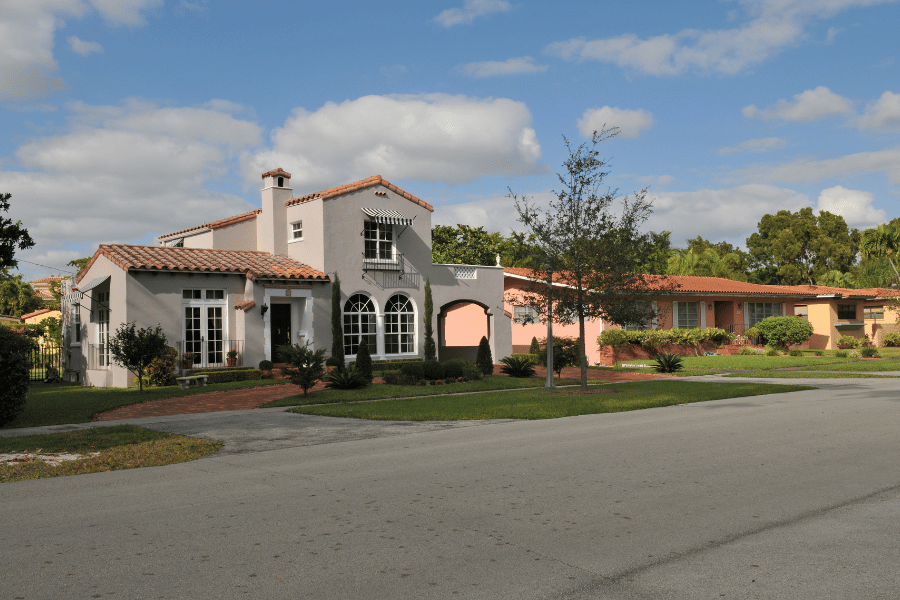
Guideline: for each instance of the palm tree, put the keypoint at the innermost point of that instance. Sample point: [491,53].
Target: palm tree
[882,242]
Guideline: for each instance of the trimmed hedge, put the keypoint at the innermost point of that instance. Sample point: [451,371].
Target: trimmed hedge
[226,375]
[891,339]
[535,358]
[14,376]
[652,339]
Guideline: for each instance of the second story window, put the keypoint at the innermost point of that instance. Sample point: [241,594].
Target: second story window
[296,231]
[379,241]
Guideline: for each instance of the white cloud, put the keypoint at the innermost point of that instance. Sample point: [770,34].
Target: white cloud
[757,145]
[631,123]
[82,47]
[854,205]
[514,66]
[729,214]
[436,137]
[27,30]
[471,10]
[773,26]
[126,173]
[883,114]
[883,161]
[807,106]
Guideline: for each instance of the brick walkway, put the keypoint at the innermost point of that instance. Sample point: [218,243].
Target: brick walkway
[248,398]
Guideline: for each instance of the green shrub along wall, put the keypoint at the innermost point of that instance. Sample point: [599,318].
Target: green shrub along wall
[226,375]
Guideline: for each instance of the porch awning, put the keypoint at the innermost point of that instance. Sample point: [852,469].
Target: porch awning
[388,217]
[91,284]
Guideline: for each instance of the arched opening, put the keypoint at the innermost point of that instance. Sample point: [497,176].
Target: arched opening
[281,182]
[461,325]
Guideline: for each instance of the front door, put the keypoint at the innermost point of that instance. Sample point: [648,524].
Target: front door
[281,328]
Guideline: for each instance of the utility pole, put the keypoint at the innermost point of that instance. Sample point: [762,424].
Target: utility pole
[550,383]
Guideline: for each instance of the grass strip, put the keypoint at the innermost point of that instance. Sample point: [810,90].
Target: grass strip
[864,365]
[542,403]
[384,391]
[63,403]
[760,363]
[806,375]
[119,447]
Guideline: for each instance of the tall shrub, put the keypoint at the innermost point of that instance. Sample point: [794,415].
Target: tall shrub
[306,364]
[535,348]
[161,371]
[785,331]
[337,326]
[484,360]
[364,361]
[14,350]
[430,350]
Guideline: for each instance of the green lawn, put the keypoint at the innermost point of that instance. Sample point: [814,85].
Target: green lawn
[61,403]
[381,391]
[872,366]
[117,447]
[805,375]
[541,403]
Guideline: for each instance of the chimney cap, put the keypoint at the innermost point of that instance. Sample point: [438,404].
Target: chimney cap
[279,172]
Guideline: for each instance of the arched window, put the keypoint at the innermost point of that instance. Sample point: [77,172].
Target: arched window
[359,322]
[399,326]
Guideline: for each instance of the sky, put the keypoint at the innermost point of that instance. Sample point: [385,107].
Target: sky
[122,120]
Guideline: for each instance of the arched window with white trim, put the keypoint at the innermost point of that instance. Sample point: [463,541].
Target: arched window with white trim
[359,323]
[399,325]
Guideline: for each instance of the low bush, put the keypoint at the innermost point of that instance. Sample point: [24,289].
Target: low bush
[333,361]
[226,375]
[819,352]
[517,367]
[350,378]
[161,371]
[472,372]
[891,339]
[841,354]
[266,365]
[395,378]
[454,369]
[784,331]
[751,351]
[565,353]
[848,342]
[532,357]
[432,369]
[413,371]
[795,353]
[869,352]
[667,362]
[770,351]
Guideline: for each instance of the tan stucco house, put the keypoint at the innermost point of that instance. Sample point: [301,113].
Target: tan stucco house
[259,280]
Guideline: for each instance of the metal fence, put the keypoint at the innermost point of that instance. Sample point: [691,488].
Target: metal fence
[210,353]
[45,361]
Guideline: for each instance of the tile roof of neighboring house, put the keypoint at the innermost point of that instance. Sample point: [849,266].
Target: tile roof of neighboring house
[717,285]
[45,280]
[255,265]
[215,224]
[36,313]
[43,294]
[359,185]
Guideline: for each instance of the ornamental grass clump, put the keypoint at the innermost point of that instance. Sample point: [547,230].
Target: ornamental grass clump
[667,362]
[517,367]
[348,378]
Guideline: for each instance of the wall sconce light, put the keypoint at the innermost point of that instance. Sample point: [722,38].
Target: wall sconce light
[739,306]
[263,309]
[709,307]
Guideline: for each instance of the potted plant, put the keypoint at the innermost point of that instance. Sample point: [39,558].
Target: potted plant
[231,359]
[188,359]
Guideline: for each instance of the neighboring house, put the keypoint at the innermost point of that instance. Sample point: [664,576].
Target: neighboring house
[262,279]
[734,306]
[38,316]
[41,287]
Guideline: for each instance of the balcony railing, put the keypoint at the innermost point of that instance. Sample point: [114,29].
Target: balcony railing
[381,263]
[392,273]
[210,353]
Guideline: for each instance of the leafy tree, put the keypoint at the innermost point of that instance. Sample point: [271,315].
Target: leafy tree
[703,258]
[794,248]
[17,297]
[464,245]
[518,250]
[565,353]
[12,236]
[306,364]
[882,242]
[134,349]
[80,264]
[597,252]
[53,328]
[337,326]
[483,360]
[784,331]
[14,362]
[430,350]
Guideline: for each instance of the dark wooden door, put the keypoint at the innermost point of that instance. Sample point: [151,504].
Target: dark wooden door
[281,328]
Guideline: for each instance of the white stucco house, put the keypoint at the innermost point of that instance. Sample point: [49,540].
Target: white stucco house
[259,280]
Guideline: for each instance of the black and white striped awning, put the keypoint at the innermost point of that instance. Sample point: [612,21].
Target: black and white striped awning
[388,217]
[86,287]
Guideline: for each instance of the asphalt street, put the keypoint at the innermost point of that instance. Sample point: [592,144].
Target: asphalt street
[782,496]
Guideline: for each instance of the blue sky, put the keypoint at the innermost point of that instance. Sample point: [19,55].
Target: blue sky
[126,119]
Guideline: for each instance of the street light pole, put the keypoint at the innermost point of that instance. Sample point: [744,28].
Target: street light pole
[550,383]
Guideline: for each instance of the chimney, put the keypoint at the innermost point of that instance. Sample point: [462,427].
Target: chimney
[271,232]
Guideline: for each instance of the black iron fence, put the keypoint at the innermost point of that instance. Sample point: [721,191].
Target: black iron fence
[200,354]
[45,362]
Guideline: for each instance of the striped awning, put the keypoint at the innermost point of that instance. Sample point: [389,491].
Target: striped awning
[388,217]
[84,288]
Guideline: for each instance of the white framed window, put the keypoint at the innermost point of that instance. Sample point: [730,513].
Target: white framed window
[523,315]
[873,313]
[204,322]
[399,325]
[687,314]
[76,324]
[296,232]
[643,324]
[757,311]
[102,300]
[360,324]
[379,241]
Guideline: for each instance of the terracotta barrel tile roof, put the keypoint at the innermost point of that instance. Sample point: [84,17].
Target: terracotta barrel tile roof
[279,172]
[360,185]
[46,280]
[255,265]
[215,224]
[36,313]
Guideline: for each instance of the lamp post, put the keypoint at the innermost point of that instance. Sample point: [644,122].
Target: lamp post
[550,383]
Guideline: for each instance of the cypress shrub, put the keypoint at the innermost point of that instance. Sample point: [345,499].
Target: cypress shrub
[430,350]
[364,362]
[484,361]
[337,326]
[535,348]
